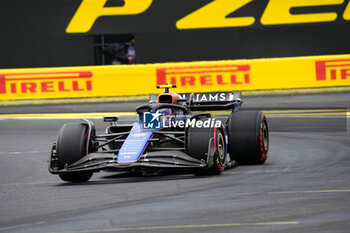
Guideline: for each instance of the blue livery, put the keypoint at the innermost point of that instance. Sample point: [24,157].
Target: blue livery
[134,144]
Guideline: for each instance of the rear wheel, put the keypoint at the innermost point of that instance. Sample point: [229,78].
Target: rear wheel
[198,140]
[248,137]
[71,147]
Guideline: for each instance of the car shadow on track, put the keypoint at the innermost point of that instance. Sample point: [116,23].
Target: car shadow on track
[135,178]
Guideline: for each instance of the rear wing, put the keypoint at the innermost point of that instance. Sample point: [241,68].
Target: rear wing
[207,101]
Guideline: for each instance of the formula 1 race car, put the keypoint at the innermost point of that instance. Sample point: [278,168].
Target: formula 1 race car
[170,133]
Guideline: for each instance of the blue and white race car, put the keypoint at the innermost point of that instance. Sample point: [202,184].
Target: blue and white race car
[170,133]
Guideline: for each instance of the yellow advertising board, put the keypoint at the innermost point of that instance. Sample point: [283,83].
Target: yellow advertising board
[128,80]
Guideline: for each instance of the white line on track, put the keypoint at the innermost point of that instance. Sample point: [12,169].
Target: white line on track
[153,228]
[33,183]
[21,152]
[311,191]
[279,193]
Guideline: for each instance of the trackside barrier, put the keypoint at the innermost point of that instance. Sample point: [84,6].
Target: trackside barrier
[127,80]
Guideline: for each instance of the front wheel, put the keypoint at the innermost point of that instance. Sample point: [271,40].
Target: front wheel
[219,154]
[71,147]
[200,141]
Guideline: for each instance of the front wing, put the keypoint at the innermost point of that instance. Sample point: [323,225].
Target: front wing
[160,160]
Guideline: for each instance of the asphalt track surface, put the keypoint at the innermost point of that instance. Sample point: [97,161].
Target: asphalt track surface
[303,187]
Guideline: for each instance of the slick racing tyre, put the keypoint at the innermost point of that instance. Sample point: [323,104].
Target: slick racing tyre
[71,147]
[198,140]
[248,137]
